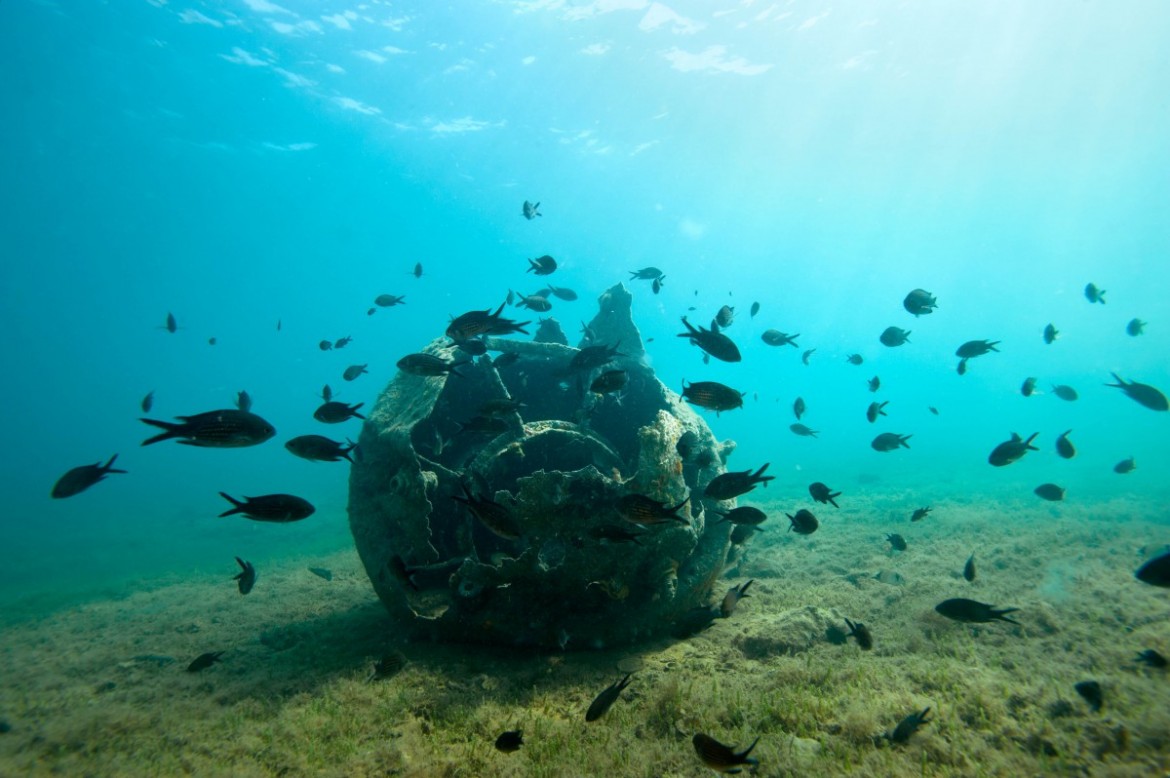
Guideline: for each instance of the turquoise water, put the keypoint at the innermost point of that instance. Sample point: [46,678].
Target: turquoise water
[246,163]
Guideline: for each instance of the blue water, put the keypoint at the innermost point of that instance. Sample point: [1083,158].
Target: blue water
[244,163]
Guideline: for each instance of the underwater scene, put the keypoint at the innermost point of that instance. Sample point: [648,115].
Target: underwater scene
[585,387]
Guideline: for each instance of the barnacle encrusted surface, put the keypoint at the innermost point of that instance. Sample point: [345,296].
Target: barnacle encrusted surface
[557,467]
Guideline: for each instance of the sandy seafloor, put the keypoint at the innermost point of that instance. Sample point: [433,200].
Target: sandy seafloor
[291,696]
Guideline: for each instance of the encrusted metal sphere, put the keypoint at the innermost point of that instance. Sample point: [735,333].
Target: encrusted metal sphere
[503,527]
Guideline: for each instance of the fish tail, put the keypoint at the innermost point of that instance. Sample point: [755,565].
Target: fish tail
[170,430]
[109,468]
[1002,616]
[238,507]
[1120,381]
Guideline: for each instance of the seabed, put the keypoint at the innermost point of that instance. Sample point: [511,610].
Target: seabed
[102,689]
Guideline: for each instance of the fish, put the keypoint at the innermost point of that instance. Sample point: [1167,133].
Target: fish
[1066,393]
[397,568]
[919,302]
[755,309]
[278,325]
[1011,450]
[323,573]
[656,284]
[246,578]
[962,367]
[204,661]
[609,381]
[803,431]
[712,395]
[78,479]
[976,348]
[646,274]
[280,508]
[803,523]
[542,266]
[894,336]
[722,758]
[418,270]
[969,569]
[563,293]
[876,409]
[389,300]
[874,383]
[972,612]
[1125,466]
[1135,327]
[502,406]
[854,359]
[778,338]
[503,360]
[388,666]
[1091,693]
[798,407]
[243,401]
[326,393]
[1155,572]
[642,510]
[591,357]
[743,515]
[353,371]
[429,365]
[172,324]
[211,341]
[1050,492]
[741,533]
[897,542]
[485,322]
[490,513]
[1050,334]
[727,486]
[861,633]
[483,424]
[615,534]
[1093,294]
[318,448]
[533,302]
[932,409]
[823,494]
[805,356]
[890,441]
[530,210]
[514,738]
[1143,394]
[713,343]
[1028,387]
[919,514]
[724,317]
[333,412]
[342,342]
[1152,658]
[732,598]
[602,702]
[907,727]
[325,345]
[227,428]
[147,402]
[1064,446]
[472,347]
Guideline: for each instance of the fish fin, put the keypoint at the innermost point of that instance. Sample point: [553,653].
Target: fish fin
[170,430]
[238,506]
[1002,616]
[108,466]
